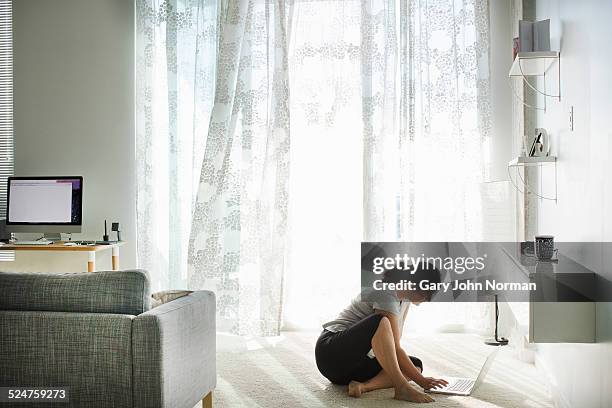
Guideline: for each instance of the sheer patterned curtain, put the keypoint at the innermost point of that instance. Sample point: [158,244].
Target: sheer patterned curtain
[237,243]
[176,46]
[390,133]
[371,115]
[427,119]
[326,161]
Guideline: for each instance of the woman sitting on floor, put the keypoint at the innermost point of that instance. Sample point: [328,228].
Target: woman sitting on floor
[362,348]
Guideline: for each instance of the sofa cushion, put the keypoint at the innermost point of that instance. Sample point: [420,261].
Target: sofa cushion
[119,292]
[165,296]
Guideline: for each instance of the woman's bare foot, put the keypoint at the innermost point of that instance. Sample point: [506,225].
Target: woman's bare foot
[408,393]
[355,389]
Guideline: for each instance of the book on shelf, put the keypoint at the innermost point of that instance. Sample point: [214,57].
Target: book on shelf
[534,36]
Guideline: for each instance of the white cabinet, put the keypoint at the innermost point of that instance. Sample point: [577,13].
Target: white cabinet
[558,320]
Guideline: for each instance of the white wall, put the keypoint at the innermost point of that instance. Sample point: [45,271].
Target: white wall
[582,31]
[74,110]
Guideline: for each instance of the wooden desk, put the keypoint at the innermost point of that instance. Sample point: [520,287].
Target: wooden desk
[60,247]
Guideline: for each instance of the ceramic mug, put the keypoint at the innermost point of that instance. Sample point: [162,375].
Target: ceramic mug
[544,247]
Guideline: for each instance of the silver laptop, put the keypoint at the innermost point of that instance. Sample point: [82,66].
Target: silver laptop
[465,386]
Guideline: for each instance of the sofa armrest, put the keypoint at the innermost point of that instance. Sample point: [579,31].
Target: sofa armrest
[174,347]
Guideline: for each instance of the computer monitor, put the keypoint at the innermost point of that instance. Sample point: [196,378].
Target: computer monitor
[48,205]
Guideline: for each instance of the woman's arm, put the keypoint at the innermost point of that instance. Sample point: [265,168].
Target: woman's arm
[404,314]
[404,361]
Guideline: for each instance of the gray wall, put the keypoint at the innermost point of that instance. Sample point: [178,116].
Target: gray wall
[581,30]
[74,108]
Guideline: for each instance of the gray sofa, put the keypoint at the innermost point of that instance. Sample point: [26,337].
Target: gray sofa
[96,333]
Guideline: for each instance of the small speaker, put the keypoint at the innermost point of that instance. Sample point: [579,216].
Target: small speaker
[115,227]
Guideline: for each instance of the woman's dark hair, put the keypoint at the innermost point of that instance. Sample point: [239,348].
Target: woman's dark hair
[422,272]
[369,252]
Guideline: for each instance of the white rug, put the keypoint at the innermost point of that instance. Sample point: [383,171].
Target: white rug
[281,372]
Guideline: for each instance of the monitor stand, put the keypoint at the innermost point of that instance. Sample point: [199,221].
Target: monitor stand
[52,236]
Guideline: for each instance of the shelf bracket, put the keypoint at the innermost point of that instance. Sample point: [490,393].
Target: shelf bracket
[538,63]
[526,188]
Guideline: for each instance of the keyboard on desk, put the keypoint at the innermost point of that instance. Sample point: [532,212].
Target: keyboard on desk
[33,242]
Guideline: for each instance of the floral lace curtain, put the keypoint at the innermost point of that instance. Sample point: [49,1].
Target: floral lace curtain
[427,119]
[176,45]
[333,122]
[390,131]
[240,219]
[428,123]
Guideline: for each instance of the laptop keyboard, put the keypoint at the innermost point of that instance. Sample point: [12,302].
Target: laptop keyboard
[461,385]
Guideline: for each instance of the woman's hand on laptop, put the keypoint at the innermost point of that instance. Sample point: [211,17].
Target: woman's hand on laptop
[428,383]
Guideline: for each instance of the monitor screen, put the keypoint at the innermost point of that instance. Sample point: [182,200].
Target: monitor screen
[44,201]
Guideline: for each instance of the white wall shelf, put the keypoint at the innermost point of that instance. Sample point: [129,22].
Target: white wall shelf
[518,179]
[531,161]
[536,64]
[533,63]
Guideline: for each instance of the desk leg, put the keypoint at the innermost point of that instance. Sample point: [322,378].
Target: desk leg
[207,401]
[115,258]
[91,262]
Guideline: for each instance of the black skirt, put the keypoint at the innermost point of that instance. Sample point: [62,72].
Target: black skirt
[342,357]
